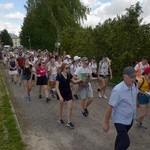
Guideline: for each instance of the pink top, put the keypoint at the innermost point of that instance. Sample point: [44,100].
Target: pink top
[41,71]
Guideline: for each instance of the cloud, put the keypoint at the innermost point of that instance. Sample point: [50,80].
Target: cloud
[10,27]
[111,9]
[6,6]
[16,15]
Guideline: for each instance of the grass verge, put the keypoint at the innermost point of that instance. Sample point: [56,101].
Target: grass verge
[10,137]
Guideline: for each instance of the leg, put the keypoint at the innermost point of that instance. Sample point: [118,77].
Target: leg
[144,112]
[26,87]
[69,115]
[88,102]
[46,91]
[29,86]
[83,104]
[122,140]
[60,109]
[40,90]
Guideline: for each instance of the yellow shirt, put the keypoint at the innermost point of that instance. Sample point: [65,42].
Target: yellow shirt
[145,85]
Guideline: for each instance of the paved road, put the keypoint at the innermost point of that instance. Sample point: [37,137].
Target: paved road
[38,121]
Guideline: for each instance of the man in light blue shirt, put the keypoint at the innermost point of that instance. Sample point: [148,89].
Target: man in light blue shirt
[122,107]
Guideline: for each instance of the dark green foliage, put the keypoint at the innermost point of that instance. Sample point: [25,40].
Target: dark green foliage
[6,38]
[46,18]
[124,39]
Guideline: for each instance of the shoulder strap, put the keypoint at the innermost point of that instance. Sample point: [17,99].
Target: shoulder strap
[142,83]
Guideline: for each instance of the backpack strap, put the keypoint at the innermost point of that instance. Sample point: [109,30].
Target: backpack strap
[141,83]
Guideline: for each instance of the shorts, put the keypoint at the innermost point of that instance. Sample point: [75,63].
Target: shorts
[85,91]
[104,76]
[41,80]
[52,77]
[19,71]
[143,99]
[25,77]
[66,96]
[94,75]
[13,72]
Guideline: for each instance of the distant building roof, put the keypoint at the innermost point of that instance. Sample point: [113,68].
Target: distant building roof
[13,36]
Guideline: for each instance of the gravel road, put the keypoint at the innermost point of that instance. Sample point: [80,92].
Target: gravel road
[38,122]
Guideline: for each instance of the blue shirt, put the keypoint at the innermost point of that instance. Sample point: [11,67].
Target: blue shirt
[123,101]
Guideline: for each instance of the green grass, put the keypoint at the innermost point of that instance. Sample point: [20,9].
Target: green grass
[10,137]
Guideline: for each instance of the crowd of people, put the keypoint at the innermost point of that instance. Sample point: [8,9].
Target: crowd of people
[67,78]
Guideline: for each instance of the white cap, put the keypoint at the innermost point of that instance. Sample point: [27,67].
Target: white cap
[68,56]
[76,58]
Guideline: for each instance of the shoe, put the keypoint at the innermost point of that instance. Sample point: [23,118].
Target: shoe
[48,99]
[61,122]
[140,124]
[104,96]
[40,96]
[76,97]
[70,125]
[29,98]
[84,114]
[19,84]
[86,111]
[99,94]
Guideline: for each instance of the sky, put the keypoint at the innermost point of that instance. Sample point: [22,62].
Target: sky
[12,12]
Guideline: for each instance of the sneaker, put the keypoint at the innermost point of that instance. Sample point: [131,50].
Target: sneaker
[61,122]
[48,99]
[86,111]
[104,96]
[19,84]
[140,124]
[70,125]
[84,114]
[29,98]
[40,96]
[76,97]
[99,94]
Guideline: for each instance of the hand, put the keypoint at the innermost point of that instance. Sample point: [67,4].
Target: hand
[38,75]
[110,77]
[106,127]
[61,99]
[84,80]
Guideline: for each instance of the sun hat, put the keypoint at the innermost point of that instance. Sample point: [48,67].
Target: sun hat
[68,56]
[130,71]
[85,60]
[76,58]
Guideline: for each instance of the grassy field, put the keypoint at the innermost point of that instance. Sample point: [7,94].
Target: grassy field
[10,137]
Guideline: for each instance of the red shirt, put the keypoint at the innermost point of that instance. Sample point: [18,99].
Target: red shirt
[41,71]
[20,61]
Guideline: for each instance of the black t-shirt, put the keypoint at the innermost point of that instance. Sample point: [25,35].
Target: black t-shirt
[27,71]
[64,83]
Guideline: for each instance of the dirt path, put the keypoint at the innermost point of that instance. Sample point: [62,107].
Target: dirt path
[38,121]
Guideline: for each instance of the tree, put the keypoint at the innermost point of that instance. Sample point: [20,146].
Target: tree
[46,18]
[6,38]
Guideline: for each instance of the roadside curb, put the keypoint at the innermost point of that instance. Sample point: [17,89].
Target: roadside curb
[12,109]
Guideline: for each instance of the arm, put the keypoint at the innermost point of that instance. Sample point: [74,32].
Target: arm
[107,118]
[110,70]
[58,91]
[75,80]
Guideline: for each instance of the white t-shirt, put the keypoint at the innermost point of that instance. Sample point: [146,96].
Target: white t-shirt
[52,69]
[93,67]
[142,67]
[73,68]
[104,67]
